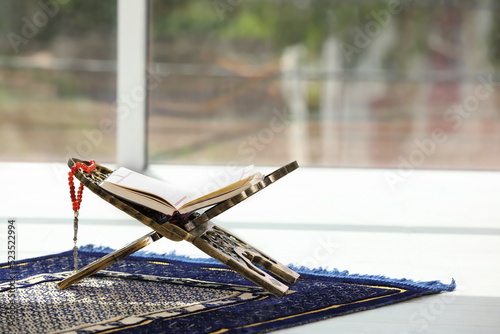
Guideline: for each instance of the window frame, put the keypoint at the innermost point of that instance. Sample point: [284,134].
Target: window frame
[132,92]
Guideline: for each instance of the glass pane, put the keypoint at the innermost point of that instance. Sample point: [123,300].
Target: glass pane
[57,80]
[402,84]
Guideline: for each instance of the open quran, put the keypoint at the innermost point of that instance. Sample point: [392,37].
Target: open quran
[169,198]
[177,221]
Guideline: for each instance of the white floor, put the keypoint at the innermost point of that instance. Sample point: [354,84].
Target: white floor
[431,225]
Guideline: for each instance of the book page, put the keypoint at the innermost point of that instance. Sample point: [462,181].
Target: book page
[166,197]
[127,178]
[210,182]
[229,189]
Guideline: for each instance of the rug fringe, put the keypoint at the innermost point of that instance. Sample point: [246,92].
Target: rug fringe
[433,285]
[172,256]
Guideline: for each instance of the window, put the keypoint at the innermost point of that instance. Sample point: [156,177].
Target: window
[337,84]
[57,80]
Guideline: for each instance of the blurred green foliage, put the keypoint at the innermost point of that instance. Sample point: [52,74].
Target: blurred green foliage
[68,18]
[274,24]
[280,23]
[277,24]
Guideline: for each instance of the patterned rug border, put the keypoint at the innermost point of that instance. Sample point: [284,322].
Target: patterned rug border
[435,285]
[405,289]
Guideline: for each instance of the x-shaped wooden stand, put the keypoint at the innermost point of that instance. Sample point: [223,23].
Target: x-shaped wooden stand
[195,228]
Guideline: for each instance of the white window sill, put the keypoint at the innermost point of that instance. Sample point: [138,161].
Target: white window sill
[348,199]
[436,225]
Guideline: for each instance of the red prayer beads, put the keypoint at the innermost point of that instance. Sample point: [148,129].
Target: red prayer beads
[76,199]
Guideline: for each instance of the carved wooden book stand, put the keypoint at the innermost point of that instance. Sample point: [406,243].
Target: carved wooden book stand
[195,228]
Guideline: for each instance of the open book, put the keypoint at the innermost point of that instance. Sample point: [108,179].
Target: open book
[168,198]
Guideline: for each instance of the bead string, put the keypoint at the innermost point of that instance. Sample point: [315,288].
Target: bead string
[76,200]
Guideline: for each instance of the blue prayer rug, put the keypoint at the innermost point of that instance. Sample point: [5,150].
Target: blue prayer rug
[149,293]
